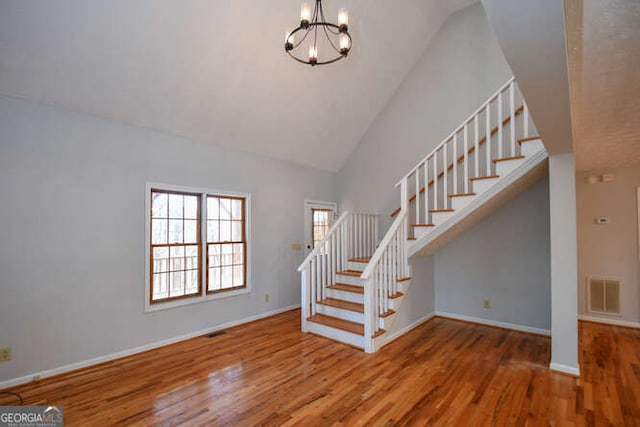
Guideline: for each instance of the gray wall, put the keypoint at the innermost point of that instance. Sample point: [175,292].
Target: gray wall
[72,237]
[505,259]
[459,70]
[611,250]
[462,66]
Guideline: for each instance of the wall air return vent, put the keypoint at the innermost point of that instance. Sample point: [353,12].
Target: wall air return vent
[604,295]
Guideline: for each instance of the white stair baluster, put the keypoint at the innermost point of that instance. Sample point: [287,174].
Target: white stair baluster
[487,138]
[455,164]
[435,180]
[476,146]
[426,191]
[465,164]
[445,186]
[417,219]
[512,111]
[526,121]
[500,126]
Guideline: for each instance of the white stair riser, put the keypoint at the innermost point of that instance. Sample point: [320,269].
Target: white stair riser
[340,313]
[505,167]
[336,334]
[345,295]
[482,185]
[440,217]
[349,280]
[530,147]
[359,266]
[458,203]
[418,232]
[386,322]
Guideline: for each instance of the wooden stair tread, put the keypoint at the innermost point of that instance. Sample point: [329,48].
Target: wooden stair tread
[347,288]
[352,273]
[423,225]
[345,325]
[441,210]
[364,259]
[411,238]
[334,322]
[531,138]
[345,305]
[387,313]
[403,279]
[504,159]
[462,195]
[396,295]
[482,141]
[484,177]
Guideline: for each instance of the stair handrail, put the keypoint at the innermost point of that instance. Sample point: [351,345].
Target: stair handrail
[386,241]
[458,129]
[321,244]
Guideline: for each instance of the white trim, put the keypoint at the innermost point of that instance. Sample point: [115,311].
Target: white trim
[408,328]
[109,357]
[566,369]
[504,325]
[203,296]
[638,223]
[607,321]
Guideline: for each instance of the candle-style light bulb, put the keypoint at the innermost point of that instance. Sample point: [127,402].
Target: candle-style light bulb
[305,14]
[343,19]
[313,54]
[344,44]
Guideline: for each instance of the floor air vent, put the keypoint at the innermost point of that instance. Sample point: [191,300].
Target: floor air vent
[604,296]
[215,334]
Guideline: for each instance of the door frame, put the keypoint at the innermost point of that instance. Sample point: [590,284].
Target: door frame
[308,206]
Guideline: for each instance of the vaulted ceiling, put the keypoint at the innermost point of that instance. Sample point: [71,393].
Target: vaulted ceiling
[215,71]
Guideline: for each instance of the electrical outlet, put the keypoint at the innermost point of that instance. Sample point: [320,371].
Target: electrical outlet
[266,297]
[5,354]
[486,303]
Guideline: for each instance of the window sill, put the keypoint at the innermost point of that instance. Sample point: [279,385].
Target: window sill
[150,308]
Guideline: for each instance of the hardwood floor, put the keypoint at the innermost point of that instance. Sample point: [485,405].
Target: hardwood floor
[443,373]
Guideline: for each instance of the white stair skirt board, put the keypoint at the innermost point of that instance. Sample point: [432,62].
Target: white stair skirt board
[565,369]
[387,338]
[340,313]
[336,334]
[113,356]
[345,295]
[460,202]
[528,172]
[496,323]
[608,321]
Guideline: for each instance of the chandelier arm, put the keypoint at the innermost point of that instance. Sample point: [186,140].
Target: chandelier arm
[306,33]
[324,27]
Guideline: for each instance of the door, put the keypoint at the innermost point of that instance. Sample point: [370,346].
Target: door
[318,218]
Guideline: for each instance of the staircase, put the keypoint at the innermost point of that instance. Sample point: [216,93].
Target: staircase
[353,285]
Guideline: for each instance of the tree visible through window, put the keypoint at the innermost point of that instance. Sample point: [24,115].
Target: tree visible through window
[175,245]
[321,222]
[177,249]
[225,243]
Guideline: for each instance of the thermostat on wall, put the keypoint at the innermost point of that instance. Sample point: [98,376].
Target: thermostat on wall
[603,220]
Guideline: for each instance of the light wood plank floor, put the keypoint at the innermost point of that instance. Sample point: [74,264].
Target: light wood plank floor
[443,373]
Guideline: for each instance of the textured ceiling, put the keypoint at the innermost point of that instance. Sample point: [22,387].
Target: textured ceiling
[603,39]
[213,70]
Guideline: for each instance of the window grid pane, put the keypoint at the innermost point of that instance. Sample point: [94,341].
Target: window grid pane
[175,245]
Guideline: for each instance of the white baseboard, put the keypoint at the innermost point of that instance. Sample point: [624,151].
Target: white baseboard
[101,359]
[409,327]
[520,328]
[607,321]
[565,369]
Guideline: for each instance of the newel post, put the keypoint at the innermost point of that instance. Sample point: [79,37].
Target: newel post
[305,298]
[369,315]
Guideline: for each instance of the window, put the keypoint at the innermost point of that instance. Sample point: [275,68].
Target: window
[225,243]
[197,245]
[321,222]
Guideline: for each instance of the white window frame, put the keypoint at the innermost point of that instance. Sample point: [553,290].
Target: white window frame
[203,296]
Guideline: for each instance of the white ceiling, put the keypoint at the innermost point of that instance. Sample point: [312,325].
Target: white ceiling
[603,38]
[215,71]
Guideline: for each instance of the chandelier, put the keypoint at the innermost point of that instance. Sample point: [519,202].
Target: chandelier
[334,41]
